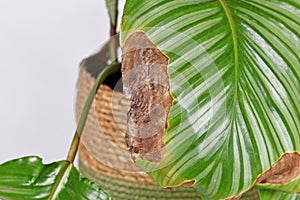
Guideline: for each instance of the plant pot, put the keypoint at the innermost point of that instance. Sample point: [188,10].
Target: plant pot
[103,154]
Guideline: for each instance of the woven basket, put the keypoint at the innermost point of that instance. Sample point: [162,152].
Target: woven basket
[103,155]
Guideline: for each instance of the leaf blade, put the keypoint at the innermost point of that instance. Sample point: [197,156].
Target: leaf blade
[28,178]
[236,106]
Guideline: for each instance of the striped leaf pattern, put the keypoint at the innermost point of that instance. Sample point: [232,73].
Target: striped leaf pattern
[234,70]
[27,178]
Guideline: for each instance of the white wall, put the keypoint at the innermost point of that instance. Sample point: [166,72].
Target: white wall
[41,45]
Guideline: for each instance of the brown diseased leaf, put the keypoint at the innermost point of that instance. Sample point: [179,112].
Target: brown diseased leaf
[283,171]
[188,183]
[146,84]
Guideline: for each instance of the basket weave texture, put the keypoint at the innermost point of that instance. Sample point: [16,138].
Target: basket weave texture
[103,155]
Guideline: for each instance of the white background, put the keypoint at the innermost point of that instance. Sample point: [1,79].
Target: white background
[41,45]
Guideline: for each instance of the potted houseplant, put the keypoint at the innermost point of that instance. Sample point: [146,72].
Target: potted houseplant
[214,101]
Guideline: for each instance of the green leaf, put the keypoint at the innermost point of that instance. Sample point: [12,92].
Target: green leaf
[234,71]
[276,195]
[28,178]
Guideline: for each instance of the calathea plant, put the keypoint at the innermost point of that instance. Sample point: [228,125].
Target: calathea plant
[28,178]
[214,87]
[215,92]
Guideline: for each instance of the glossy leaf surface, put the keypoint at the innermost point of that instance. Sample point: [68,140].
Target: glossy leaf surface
[28,178]
[234,70]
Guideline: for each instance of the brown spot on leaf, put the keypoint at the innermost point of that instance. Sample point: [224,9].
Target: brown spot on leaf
[188,183]
[283,171]
[146,83]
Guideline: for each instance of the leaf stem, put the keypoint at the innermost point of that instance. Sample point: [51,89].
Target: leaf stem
[73,148]
[113,49]
[112,7]
[111,69]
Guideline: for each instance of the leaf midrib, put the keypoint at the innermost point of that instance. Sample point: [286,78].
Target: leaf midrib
[58,185]
[235,49]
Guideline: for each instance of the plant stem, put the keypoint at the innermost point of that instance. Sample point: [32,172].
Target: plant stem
[113,49]
[111,69]
[112,6]
[112,9]
[73,148]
